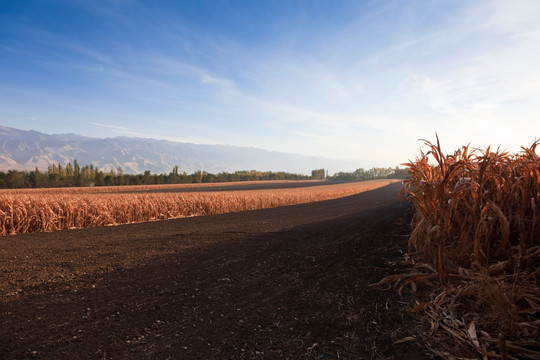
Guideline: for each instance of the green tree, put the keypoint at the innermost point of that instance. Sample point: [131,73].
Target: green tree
[76,167]
[69,170]
[198,176]
[318,174]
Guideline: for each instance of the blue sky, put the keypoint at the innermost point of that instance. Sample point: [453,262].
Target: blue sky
[340,79]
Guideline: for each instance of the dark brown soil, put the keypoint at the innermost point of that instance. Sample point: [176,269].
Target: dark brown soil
[283,283]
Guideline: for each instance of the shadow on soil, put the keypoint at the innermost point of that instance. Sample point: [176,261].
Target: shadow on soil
[299,293]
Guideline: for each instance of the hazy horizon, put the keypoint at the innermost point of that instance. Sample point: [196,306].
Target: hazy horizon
[341,80]
[28,149]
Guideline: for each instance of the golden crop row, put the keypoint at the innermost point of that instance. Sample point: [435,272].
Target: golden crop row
[138,188]
[34,211]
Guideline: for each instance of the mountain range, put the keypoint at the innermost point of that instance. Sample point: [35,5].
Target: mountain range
[28,149]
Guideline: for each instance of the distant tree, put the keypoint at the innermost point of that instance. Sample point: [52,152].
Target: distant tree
[72,174]
[318,174]
[198,176]
[363,175]
[76,167]
[15,179]
[99,177]
[147,177]
[61,170]
[36,178]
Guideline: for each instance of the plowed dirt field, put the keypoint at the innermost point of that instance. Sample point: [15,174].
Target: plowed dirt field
[281,283]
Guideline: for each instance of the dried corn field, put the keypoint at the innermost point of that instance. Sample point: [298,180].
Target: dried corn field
[35,210]
[155,188]
[476,230]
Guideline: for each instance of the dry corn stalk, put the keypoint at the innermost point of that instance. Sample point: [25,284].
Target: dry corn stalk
[477,227]
[474,207]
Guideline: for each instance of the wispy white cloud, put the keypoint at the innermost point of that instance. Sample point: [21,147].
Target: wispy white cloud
[110,126]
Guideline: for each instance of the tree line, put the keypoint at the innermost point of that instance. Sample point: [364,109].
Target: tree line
[72,174]
[371,174]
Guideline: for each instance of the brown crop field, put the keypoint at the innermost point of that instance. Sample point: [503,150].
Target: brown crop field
[35,210]
[258,184]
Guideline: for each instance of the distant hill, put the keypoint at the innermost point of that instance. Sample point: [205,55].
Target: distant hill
[26,150]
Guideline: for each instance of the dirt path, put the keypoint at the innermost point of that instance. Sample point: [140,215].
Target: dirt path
[283,283]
